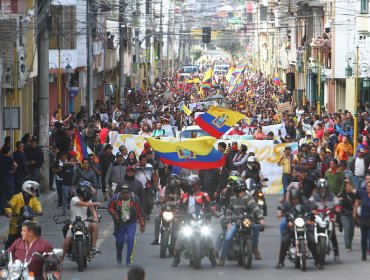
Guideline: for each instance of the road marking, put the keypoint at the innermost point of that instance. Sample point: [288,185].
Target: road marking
[102,236]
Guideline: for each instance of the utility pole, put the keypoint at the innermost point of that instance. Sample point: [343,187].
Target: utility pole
[122,37]
[89,70]
[137,45]
[161,42]
[43,89]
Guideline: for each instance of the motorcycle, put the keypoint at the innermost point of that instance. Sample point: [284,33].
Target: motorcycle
[324,223]
[195,232]
[297,252]
[79,250]
[255,190]
[18,270]
[167,230]
[241,244]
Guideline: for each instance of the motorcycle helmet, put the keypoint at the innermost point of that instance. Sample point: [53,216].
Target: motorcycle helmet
[84,190]
[194,181]
[251,161]
[295,194]
[30,187]
[322,187]
[234,173]
[240,186]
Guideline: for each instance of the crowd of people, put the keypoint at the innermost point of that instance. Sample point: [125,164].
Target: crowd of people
[132,183]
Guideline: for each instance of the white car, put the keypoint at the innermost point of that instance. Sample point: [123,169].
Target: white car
[187,131]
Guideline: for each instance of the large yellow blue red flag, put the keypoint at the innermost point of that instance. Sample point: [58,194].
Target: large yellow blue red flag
[195,154]
[217,121]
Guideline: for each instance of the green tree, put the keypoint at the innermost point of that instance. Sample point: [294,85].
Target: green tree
[229,42]
[196,52]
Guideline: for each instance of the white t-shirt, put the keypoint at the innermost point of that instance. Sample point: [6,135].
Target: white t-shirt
[77,210]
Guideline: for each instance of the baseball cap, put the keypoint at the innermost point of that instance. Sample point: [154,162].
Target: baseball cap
[308,132]
[361,150]
[236,125]
[119,154]
[130,167]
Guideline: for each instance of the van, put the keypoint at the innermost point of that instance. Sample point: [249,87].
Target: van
[221,69]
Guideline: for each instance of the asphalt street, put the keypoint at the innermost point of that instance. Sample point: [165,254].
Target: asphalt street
[104,266]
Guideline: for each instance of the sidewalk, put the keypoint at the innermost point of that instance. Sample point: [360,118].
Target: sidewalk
[45,199]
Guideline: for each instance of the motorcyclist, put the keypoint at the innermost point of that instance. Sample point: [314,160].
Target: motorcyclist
[290,207]
[31,242]
[25,198]
[79,206]
[170,195]
[325,201]
[253,170]
[192,202]
[240,202]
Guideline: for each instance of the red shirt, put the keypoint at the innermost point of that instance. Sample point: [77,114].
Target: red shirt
[236,132]
[19,252]
[103,135]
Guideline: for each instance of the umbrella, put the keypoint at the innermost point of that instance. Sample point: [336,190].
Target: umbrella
[216,96]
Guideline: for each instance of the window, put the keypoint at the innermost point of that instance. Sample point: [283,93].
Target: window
[364,6]
[63,29]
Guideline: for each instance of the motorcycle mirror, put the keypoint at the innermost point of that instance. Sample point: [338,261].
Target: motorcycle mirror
[58,252]
[56,218]
[265,179]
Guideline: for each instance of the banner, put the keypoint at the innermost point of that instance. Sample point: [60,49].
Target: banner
[284,107]
[267,153]
[266,129]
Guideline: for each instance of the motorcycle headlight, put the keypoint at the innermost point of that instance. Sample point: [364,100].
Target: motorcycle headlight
[260,194]
[247,223]
[299,222]
[79,226]
[260,202]
[167,216]
[205,230]
[187,231]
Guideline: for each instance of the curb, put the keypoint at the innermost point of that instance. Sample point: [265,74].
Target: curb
[45,199]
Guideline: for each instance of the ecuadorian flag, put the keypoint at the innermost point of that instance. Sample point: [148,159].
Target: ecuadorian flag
[194,154]
[217,121]
[79,146]
[207,79]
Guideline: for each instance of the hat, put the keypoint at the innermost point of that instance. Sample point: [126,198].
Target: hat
[288,136]
[72,153]
[119,154]
[328,151]
[308,133]
[130,167]
[107,146]
[361,150]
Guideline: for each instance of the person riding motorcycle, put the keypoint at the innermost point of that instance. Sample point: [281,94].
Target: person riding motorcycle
[192,202]
[290,207]
[79,206]
[170,195]
[253,170]
[324,201]
[31,242]
[240,202]
[25,198]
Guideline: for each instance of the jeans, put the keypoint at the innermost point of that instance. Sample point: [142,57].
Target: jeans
[349,229]
[358,182]
[35,174]
[365,230]
[287,178]
[66,190]
[282,226]
[126,233]
[59,184]
[230,234]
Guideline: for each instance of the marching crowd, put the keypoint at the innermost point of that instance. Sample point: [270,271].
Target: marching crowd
[324,170]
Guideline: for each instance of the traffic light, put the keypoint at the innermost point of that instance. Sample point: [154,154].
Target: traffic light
[206,35]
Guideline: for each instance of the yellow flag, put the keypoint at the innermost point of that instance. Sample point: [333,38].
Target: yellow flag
[186,110]
[229,73]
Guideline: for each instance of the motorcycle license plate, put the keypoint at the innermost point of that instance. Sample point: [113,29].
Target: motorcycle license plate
[79,233]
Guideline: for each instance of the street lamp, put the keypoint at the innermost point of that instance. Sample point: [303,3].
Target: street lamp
[348,71]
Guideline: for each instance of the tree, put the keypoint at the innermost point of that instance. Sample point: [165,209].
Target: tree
[229,42]
[196,52]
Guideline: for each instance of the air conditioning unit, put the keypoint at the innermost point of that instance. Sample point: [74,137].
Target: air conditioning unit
[362,25]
